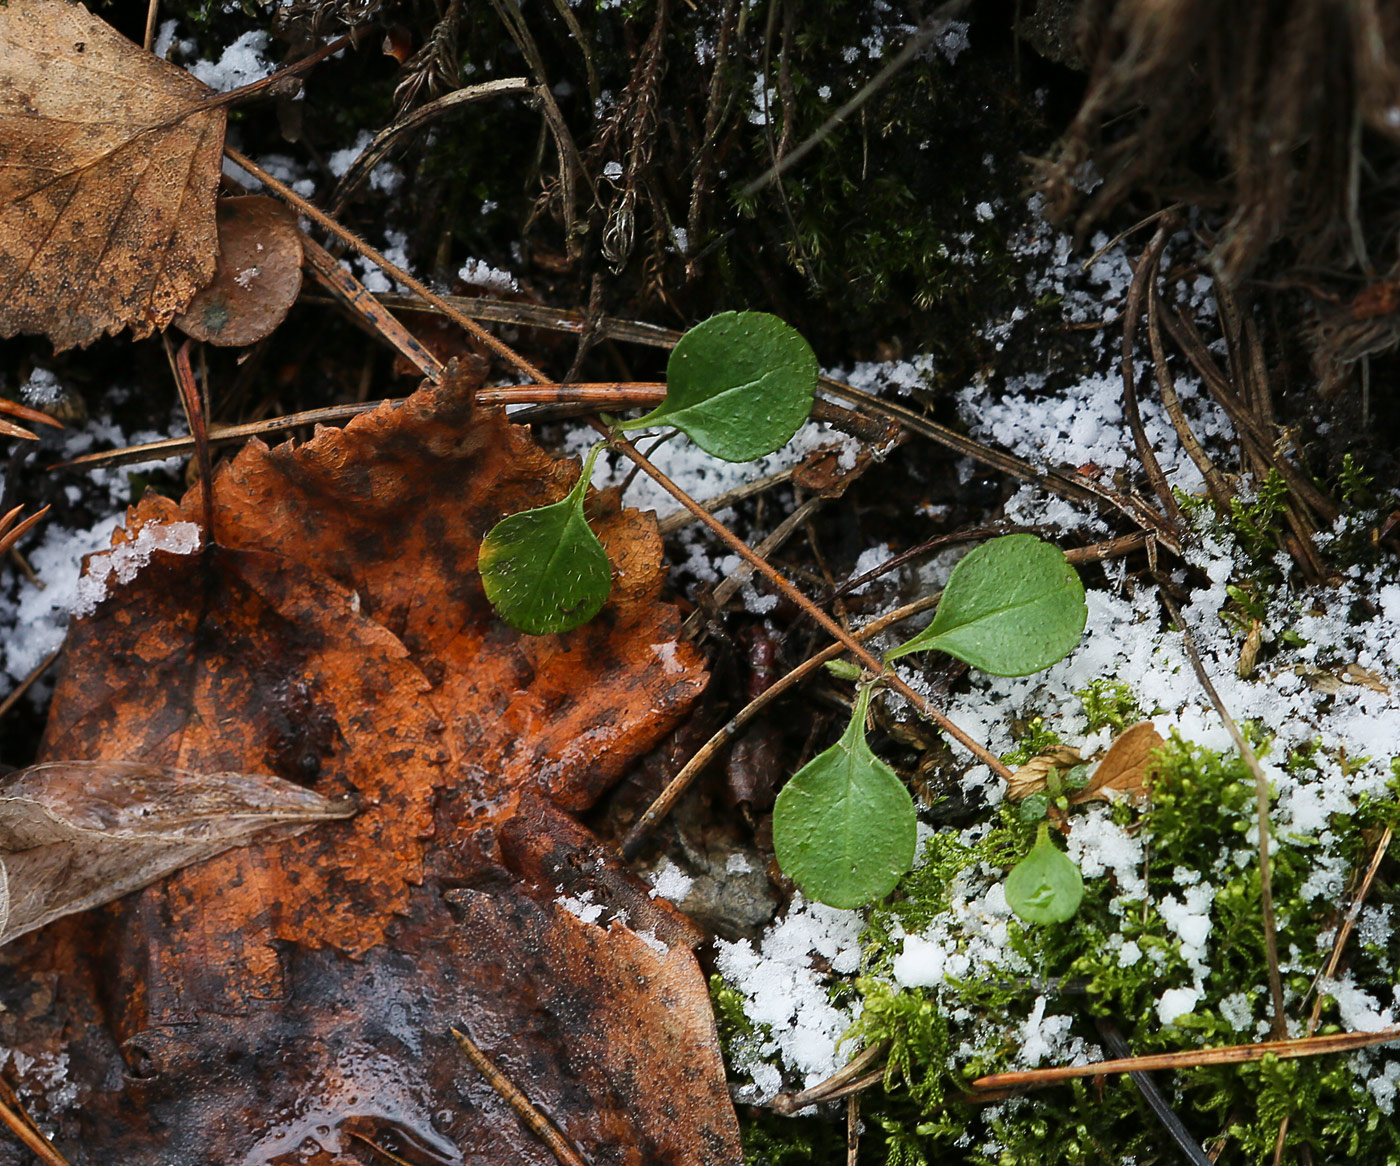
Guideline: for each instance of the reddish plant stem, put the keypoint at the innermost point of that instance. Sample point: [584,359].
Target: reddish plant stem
[829,625]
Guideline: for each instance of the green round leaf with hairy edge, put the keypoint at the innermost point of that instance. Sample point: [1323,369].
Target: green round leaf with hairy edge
[544,570]
[844,825]
[1045,886]
[1013,606]
[739,385]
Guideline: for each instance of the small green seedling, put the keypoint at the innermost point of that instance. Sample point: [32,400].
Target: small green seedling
[544,570]
[1012,607]
[1045,886]
[739,385]
[844,825]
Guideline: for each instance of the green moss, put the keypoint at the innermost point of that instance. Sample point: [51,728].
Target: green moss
[1111,704]
[1114,960]
[1034,739]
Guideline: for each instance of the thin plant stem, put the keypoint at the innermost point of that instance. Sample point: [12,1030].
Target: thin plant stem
[676,787]
[539,1124]
[829,625]
[1308,1046]
[1261,801]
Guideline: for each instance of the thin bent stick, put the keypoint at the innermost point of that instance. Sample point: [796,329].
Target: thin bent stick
[829,625]
[1175,1127]
[22,1126]
[319,216]
[538,1123]
[9,537]
[150,38]
[28,682]
[1219,490]
[677,786]
[653,336]
[1261,800]
[587,396]
[1308,1046]
[1343,933]
[837,1085]
[366,310]
[387,1155]
[199,433]
[1143,278]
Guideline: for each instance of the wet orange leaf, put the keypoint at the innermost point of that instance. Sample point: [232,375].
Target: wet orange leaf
[265,1006]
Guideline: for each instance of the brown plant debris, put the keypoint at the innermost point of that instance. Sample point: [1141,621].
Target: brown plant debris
[1287,92]
[77,834]
[107,191]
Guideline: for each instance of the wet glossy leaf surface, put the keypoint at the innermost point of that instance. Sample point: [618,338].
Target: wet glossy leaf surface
[262,1007]
[739,385]
[1011,607]
[844,825]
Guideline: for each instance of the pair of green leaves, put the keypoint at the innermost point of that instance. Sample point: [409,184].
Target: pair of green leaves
[844,824]
[739,385]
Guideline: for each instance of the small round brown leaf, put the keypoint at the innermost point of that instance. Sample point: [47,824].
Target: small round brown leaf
[258,277]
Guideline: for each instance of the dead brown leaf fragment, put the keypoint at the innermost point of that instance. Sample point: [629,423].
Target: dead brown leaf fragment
[1123,770]
[111,162]
[258,277]
[306,988]
[76,834]
[1030,777]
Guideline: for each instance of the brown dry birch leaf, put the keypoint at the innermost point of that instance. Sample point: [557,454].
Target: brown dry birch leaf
[111,161]
[1123,770]
[1030,777]
[261,1008]
[76,834]
[258,277]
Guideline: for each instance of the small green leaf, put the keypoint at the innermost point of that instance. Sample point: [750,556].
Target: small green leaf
[1012,607]
[1045,886]
[844,825]
[843,669]
[544,570]
[739,385]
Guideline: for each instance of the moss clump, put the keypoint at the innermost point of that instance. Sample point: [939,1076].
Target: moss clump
[1109,704]
[1182,915]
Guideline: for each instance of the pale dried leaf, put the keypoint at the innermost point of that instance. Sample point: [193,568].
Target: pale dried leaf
[111,162]
[75,834]
[1030,777]
[1355,674]
[1322,680]
[1249,651]
[1123,770]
